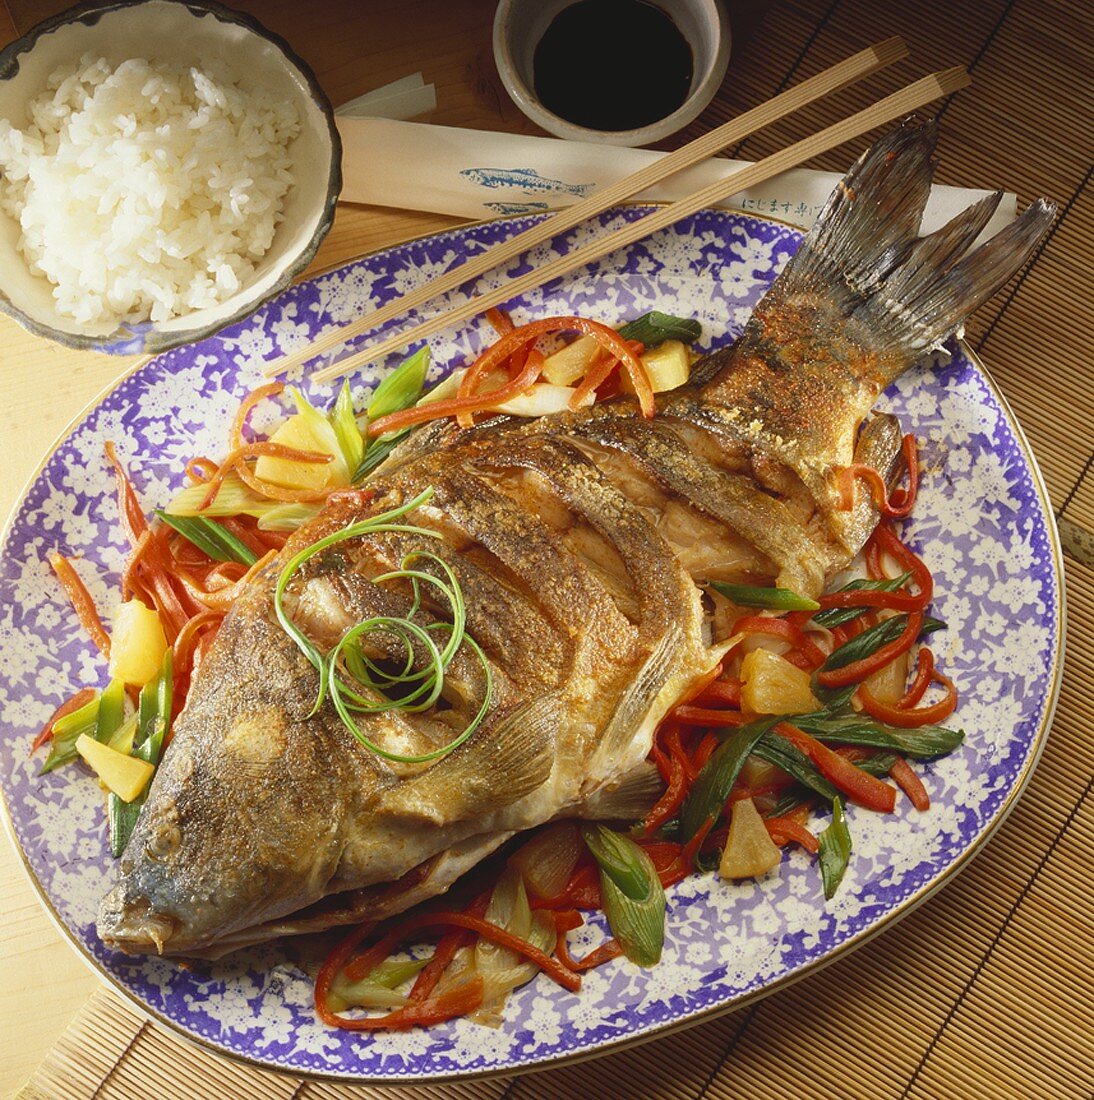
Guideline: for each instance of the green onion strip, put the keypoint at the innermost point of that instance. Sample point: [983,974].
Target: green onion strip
[423,687]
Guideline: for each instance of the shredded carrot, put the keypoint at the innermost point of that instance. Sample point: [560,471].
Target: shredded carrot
[200,469]
[602,369]
[702,716]
[239,423]
[81,599]
[673,798]
[896,506]
[499,321]
[128,506]
[691,849]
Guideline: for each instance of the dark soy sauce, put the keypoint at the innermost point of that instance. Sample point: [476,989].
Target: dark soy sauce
[612,65]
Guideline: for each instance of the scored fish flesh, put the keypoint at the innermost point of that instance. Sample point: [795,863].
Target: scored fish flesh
[582,543]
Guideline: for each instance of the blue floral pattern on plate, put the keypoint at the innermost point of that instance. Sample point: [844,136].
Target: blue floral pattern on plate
[982,524]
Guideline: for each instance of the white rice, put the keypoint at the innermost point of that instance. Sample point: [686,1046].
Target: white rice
[146,190]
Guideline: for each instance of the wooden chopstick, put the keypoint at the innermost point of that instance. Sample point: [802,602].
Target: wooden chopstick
[903,102]
[849,71]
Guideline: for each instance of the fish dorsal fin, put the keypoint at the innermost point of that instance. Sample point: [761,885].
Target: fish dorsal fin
[636,701]
[502,762]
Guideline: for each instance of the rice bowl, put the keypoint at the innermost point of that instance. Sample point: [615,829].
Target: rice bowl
[166,169]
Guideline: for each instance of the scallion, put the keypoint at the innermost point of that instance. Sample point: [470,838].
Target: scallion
[778,751]
[153,723]
[322,431]
[411,688]
[111,711]
[344,421]
[850,727]
[711,790]
[376,453]
[402,388]
[873,638]
[836,616]
[210,538]
[775,599]
[655,328]
[66,732]
[835,850]
[634,899]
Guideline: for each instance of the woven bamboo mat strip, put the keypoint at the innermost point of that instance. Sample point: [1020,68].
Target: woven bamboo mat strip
[986,990]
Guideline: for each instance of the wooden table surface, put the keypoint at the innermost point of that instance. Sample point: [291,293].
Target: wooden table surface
[357,46]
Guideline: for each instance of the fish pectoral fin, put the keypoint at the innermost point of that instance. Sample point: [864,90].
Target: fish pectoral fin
[635,702]
[501,763]
[628,799]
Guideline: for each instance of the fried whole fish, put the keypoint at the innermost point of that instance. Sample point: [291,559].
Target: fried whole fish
[581,542]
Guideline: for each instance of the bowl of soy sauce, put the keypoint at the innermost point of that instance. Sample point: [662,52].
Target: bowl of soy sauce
[617,72]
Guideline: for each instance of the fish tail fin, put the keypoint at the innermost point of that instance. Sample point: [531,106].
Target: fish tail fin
[901,294]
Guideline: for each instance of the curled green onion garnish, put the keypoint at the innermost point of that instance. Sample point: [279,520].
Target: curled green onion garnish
[417,685]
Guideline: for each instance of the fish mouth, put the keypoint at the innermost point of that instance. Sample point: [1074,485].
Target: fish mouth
[135,928]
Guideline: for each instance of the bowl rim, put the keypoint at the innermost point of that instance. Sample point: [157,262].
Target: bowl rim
[526,99]
[153,341]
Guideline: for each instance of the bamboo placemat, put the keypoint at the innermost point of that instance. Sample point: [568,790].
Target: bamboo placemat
[985,991]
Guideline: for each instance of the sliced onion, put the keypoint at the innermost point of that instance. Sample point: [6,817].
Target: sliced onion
[547,861]
[500,968]
[364,993]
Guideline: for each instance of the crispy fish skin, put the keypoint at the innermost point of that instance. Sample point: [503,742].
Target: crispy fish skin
[582,542]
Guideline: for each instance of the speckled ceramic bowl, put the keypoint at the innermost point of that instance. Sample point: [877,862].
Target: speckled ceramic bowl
[178,33]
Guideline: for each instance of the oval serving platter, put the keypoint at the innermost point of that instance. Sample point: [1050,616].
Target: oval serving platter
[983,523]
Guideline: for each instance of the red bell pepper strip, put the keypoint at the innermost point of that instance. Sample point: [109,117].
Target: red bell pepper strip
[910,783]
[859,786]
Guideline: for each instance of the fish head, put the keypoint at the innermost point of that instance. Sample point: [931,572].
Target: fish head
[243,821]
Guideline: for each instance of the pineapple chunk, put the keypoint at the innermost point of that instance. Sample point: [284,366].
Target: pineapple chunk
[667,365]
[770,684]
[568,364]
[297,433]
[137,643]
[749,851]
[125,775]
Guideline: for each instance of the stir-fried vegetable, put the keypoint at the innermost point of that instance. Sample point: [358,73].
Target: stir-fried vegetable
[634,899]
[402,388]
[153,726]
[137,643]
[126,776]
[211,538]
[837,616]
[835,850]
[749,851]
[67,730]
[655,328]
[714,784]
[770,684]
[773,599]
